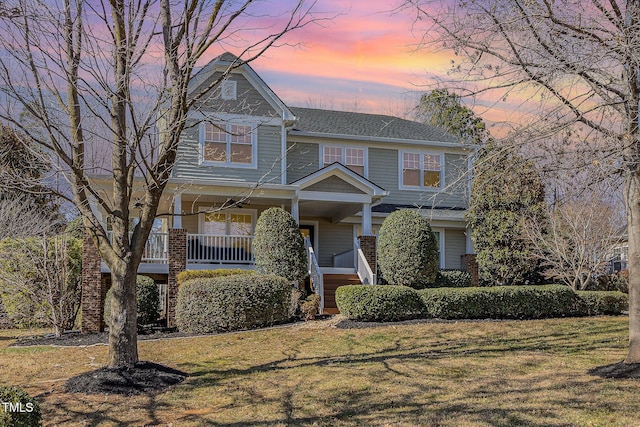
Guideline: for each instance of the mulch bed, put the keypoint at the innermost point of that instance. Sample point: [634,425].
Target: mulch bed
[76,338]
[144,378]
[618,370]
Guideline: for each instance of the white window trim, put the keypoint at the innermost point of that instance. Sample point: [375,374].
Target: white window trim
[203,210]
[365,155]
[422,188]
[228,163]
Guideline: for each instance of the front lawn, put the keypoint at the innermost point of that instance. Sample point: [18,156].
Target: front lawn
[504,373]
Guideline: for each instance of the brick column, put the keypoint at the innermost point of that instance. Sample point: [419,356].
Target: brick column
[177,263]
[92,289]
[470,264]
[368,246]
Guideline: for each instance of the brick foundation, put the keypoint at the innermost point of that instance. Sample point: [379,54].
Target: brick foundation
[92,289]
[177,263]
[368,246]
[470,264]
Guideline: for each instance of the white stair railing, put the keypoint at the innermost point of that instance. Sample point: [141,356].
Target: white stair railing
[317,281]
[366,275]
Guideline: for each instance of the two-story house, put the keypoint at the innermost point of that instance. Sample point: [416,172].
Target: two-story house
[338,173]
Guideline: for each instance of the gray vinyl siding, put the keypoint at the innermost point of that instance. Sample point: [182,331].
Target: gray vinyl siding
[383,170]
[302,160]
[268,160]
[332,239]
[249,102]
[455,245]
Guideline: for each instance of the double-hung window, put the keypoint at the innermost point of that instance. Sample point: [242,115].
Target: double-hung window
[351,157]
[228,144]
[421,170]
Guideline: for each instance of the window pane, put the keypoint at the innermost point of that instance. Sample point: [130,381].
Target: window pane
[431,178]
[215,151]
[214,133]
[215,223]
[431,162]
[354,157]
[240,224]
[241,153]
[411,177]
[411,161]
[332,155]
[240,134]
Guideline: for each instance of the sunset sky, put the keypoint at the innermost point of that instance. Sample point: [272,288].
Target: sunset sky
[363,60]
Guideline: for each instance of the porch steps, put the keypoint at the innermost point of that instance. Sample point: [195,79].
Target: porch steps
[333,282]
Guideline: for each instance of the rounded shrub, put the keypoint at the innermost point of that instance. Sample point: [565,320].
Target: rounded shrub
[407,250]
[379,303]
[278,246]
[147,300]
[502,302]
[234,302]
[18,409]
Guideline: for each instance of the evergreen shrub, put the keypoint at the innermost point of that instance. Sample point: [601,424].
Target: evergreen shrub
[233,302]
[407,250]
[197,274]
[604,302]
[379,303]
[278,246]
[502,302]
[25,411]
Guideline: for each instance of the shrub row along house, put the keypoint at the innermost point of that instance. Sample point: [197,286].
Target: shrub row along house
[338,173]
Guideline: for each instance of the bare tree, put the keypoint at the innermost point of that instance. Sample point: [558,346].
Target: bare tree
[578,240]
[111,81]
[41,276]
[574,67]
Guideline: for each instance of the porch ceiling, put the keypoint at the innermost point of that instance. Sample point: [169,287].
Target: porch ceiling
[335,211]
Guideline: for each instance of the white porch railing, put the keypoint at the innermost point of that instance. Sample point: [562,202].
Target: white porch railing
[366,275]
[155,250]
[232,249]
[317,281]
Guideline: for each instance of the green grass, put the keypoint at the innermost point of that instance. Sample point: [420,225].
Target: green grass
[529,373]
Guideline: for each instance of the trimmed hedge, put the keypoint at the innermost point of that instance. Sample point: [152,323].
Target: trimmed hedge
[205,274]
[147,300]
[501,302]
[234,302]
[604,302]
[26,414]
[379,303]
[452,279]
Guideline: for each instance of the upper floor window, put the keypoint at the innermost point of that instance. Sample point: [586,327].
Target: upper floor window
[422,170]
[352,158]
[229,144]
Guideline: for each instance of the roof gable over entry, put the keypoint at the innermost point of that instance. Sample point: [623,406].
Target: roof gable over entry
[337,178]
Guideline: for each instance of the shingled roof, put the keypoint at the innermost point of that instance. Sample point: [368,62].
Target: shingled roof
[311,120]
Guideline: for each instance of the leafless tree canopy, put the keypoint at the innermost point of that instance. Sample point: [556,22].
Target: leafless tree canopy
[102,87]
[570,68]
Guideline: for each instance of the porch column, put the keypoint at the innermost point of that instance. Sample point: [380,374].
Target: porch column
[366,219]
[177,263]
[177,210]
[92,302]
[469,242]
[295,211]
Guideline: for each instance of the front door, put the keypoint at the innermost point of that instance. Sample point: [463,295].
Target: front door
[308,231]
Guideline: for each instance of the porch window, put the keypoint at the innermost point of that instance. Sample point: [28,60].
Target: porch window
[422,170]
[352,158]
[228,144]
[228,223]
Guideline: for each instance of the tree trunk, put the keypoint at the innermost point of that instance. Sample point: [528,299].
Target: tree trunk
[123,329]
[633,232]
